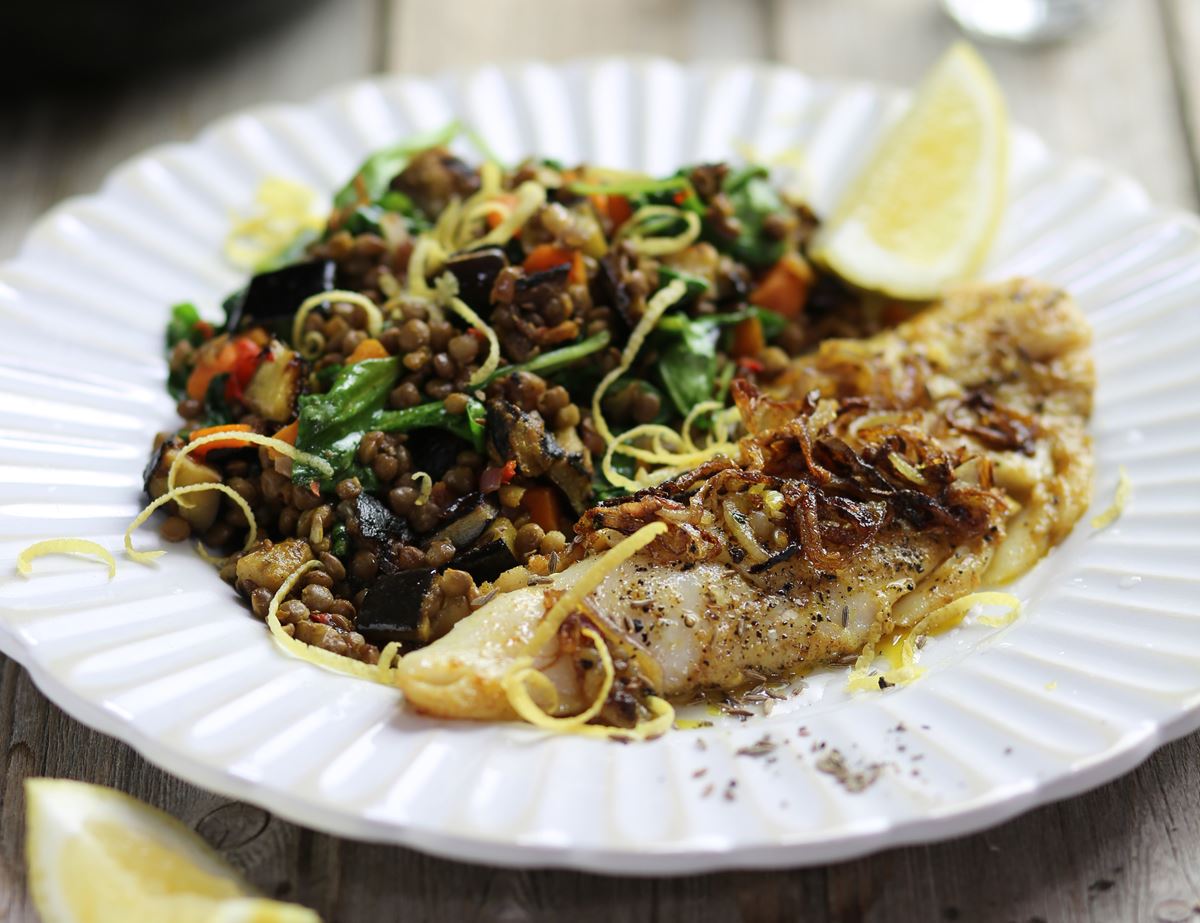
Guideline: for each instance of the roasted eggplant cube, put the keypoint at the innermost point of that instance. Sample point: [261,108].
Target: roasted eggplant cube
[377,523]
[487,562]
[277,294]
[468,516]
[476,272]
[391,608]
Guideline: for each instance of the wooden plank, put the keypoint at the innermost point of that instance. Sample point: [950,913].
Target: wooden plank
[430,37]
[1107,93]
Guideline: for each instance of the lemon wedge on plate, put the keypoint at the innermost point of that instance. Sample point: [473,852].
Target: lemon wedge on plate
[98,856]
[926,208]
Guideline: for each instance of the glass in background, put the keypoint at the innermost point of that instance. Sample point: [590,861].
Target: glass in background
[1023,21]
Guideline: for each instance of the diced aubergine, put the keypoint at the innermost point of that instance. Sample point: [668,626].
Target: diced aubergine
[487,562]
[476,272]
[377,523]
[469,516]
[522,436]
[272,391]
[391,607]
[433,451]
[278,293]
[203,506]
[394,606]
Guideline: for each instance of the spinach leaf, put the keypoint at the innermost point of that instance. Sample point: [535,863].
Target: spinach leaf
[753,200]
[688,365]
[695,285]
[772,321]
[371,180]
[339,541]
[332,424]
[368,218]
[183,325]
[468,426]
[552,361]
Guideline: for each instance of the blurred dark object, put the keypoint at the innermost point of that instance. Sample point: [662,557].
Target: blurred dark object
[69,41]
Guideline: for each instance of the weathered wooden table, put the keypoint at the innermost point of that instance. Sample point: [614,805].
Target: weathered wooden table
[1127,92]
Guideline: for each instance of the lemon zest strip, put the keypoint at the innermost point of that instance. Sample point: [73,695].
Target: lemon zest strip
[463,310]
[655,308]
[660,246]
[64,546]
[278,445]
[377,673]
[309,304]
[1106,518]
[145,557]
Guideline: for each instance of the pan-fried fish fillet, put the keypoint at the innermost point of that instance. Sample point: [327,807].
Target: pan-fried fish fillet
[900,473]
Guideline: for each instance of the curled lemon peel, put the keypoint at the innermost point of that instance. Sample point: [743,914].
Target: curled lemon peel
[277,445]
[522,674]
[1110,515]
[376,673]
[283,211]
[426,487]
[655,308]
[632,231]
[145,557]
[71,546]
[304,343]
[463,310]
[530,196]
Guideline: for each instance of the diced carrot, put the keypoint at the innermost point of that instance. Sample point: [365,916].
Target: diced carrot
[369,348]
[748,339]
[494,217]
[235,443]
[547,256]
[784,289]
[615,208]
[289,433]
[543,506]
[619,210]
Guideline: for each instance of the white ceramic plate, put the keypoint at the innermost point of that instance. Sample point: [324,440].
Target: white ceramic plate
[1104,666]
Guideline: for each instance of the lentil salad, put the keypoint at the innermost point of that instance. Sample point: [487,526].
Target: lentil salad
[464,360]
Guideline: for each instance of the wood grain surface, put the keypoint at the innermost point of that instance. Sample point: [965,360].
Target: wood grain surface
[1126,92]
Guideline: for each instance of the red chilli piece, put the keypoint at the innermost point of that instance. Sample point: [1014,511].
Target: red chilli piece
[750,364]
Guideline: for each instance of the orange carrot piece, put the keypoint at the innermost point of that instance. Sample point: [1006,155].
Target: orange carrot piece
[289,433]
[369,348]
[748,339]
[202,451]
[543,506]
[784,289]
[547,256]
[619,210]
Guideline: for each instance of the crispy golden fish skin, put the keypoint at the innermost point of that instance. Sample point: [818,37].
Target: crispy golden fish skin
[919,464]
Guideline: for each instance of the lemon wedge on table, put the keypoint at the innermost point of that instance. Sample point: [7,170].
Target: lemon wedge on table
[98,856]
[926,208]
